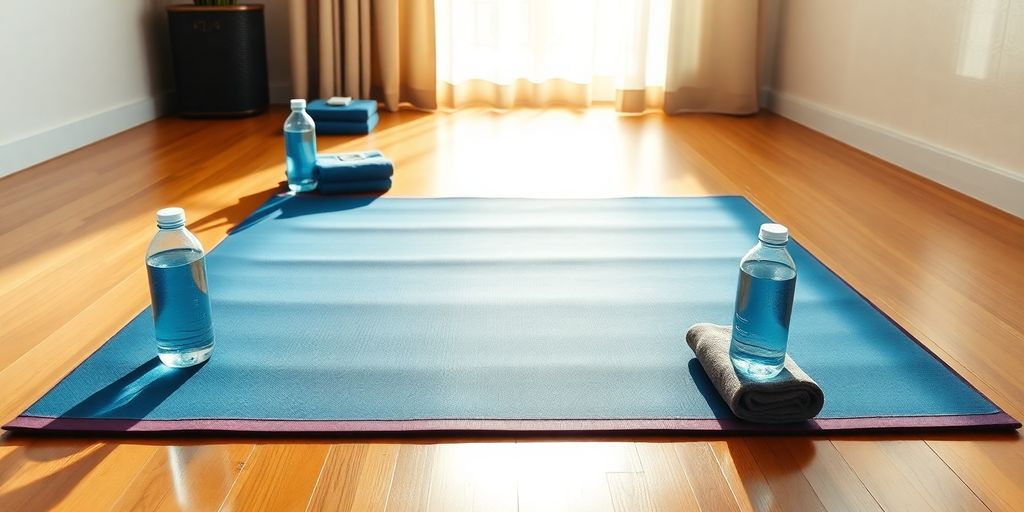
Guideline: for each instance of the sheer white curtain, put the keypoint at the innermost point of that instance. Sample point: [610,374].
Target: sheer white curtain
[532,52]
[680,55]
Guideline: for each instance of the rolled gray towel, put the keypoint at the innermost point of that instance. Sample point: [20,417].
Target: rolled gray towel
[788,397]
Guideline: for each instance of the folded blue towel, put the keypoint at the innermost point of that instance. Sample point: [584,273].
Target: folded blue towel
[358,111]
[347,167]
[345,127]
[354,187]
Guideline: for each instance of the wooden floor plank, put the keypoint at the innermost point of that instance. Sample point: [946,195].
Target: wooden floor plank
[474,477]
[705,476]
[991,469]
[45,472]
[571,476]
[356,477]
[944,489]
[185,478]
[748,484]
[834,482]
[665,477]
[278,477]
[410,487]
[888,483]
[629,492]
[783,471]
[82,479]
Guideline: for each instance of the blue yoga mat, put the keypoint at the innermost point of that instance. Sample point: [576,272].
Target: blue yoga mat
[336,314]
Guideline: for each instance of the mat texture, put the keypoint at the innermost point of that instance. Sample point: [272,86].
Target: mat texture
[337,314]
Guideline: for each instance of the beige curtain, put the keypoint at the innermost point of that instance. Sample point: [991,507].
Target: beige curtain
[712,57]
[676,55]
[382,49]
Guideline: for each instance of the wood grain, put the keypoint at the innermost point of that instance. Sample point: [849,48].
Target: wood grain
[278,477]
[410,487]
[783,472]
[629,492]
[73,231]
[71,478]
[185,477]
[749,485]
[990,469]
[833,481]
[705,476]
[666,481]
[356,477]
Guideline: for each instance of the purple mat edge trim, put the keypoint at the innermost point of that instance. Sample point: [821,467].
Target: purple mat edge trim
[994,421]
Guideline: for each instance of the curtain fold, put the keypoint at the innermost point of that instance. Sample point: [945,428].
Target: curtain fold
[712,57]
[676,55]
[382,49]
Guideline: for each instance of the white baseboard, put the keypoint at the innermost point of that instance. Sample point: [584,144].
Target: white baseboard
[998,187]
[21,153]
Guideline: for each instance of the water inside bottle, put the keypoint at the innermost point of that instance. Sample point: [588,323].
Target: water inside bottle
[300,160]
[761,325]
[181,306]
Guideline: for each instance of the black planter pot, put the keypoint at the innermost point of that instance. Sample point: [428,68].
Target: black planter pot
[220,60]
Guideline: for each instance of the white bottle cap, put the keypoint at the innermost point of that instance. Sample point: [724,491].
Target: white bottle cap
[298,104]
[170,217]
[776,234]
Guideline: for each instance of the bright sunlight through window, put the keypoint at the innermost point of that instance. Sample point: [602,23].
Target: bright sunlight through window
[608,44]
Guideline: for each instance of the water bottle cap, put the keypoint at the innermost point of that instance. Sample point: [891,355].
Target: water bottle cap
[172,217]
[298,104]
[776,234]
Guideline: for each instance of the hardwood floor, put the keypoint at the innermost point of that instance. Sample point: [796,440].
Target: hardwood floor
[73,233]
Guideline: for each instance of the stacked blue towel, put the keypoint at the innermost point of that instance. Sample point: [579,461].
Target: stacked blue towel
[354,173]
[356,118]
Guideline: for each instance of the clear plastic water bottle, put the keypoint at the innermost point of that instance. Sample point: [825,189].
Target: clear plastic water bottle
[176,265]
[300,148]
[764,302]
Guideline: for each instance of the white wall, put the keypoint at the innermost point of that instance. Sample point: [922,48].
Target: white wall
[936,86]
[76,71]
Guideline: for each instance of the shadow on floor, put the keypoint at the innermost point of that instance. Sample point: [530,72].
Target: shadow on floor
[48,491]
[289,205]
[234,214]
